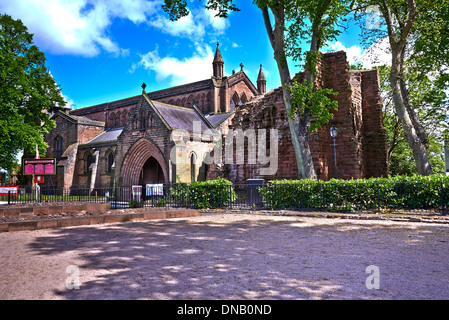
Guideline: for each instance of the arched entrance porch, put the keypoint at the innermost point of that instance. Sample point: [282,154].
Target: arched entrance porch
[144,163]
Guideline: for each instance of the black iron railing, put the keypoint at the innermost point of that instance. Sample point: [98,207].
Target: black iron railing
[429,197]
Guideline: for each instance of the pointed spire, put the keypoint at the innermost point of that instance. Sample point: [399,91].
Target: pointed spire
[261,75]
[218,57]
[218,64]
[261,82]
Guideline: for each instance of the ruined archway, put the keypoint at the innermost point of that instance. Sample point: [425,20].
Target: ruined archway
[136,159]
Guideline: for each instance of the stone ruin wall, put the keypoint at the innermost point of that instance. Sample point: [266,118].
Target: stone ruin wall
[361,140]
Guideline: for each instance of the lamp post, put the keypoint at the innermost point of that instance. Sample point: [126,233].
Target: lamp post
[333,132]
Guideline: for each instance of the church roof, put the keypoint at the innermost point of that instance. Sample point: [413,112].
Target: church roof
[109,135]
[86,120]
[78,119]
[105,106]
[217,119]
[179,117]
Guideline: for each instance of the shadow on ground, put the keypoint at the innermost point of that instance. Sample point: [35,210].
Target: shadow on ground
[252,259]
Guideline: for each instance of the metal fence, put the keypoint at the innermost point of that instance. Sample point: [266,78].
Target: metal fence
[27,194]
[337,197]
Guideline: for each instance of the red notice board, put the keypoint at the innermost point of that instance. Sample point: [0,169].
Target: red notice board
[39,166]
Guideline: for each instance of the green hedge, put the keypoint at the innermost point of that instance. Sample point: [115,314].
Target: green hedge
[212,193]
[397,192]
[205,194]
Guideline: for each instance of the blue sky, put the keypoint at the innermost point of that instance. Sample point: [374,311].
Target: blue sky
[103,50]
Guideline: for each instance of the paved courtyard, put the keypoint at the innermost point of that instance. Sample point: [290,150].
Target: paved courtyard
[228,256]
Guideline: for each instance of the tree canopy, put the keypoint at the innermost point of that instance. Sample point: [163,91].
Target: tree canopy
[417,26]
[417,31]
[27,93]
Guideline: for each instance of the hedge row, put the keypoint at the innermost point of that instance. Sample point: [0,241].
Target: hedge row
[205,194]
[397,192]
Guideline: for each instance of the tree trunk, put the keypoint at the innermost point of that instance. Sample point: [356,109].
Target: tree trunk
[412,134]
[299,128]
[411,112]
[398,41]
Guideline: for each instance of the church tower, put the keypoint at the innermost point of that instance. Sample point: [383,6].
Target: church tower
[261,82]
[218,64]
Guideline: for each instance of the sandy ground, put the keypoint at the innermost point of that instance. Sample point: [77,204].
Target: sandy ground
[228,256]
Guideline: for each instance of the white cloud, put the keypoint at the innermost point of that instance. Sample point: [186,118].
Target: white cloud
[80,27]
[194,26]
[218,24]
[352,53]
[179,71]
[186,26]
[69,102]
[377,55]
[76,26]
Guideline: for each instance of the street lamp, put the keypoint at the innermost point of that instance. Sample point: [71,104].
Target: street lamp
[333,132]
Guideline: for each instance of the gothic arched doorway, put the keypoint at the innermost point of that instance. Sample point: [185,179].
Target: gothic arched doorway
[143,159]
[151,172]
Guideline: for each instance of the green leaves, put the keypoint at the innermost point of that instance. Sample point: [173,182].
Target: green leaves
[418,34]
[27,93]
[306,18]
[394,193]
[317,102]
[204,194]
[430,100]
[177,9]
[212,193]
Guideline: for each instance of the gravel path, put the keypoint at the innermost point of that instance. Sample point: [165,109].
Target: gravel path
[228,256]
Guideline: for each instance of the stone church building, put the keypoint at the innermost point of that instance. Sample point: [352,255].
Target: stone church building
[150,138]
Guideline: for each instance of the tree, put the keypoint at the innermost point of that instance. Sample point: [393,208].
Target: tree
[430,104]
[406,25]
[27,93]
[428,65]
[290,27]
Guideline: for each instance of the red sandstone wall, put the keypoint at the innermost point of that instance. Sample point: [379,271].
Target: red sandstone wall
[263,112]
[347,120]
[201,98]
[65,129]
[375,138]
[72,134]
[86,132]
[106,112]
[239,86]
[361,139]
